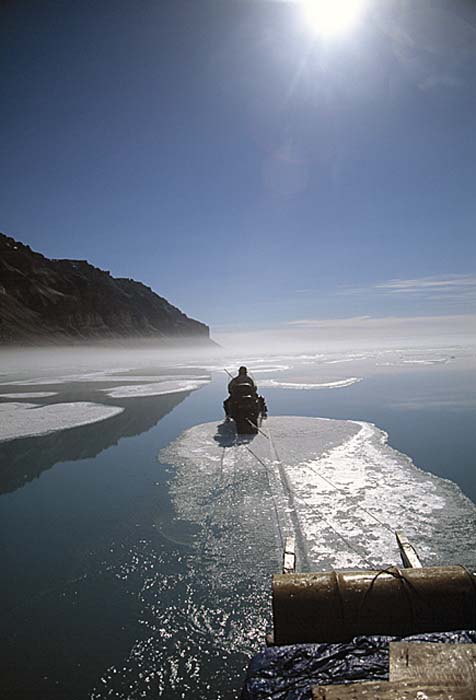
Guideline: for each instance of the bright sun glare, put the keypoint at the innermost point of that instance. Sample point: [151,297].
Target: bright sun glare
[331,16]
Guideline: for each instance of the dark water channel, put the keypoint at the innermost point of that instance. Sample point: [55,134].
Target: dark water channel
[106,593]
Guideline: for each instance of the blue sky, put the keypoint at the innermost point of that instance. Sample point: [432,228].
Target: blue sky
[249,169]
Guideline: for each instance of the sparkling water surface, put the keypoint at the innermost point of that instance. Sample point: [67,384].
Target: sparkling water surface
[137,551]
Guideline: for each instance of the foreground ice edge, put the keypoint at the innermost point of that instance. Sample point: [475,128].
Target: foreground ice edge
[345,493]
[226,535]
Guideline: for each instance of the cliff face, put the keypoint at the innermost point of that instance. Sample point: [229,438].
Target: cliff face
[44,300]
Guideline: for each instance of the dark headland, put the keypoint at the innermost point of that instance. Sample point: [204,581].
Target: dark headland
[45,301]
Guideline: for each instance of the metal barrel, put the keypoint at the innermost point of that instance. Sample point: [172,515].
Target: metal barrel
[337,606]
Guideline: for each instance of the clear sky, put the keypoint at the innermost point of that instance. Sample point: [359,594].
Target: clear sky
[249,166]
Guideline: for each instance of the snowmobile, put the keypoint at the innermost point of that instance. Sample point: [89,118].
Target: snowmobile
[247,411]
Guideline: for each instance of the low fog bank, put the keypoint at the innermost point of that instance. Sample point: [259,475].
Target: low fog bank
[114,357]
[300,338]
[359,333]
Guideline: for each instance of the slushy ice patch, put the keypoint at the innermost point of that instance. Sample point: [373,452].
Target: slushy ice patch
[205,581]
[337,485]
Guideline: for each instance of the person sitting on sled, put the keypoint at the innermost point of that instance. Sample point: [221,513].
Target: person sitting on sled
[242,385]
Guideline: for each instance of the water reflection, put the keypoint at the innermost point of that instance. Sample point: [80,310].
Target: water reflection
[204,592]
[25,459]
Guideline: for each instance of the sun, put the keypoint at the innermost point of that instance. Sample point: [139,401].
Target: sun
[331,16]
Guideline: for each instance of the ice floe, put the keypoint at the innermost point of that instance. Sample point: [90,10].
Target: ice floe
[338,384]
[60,379]
[103,376]
[350,358]
[267,369]
[29,395]
[337,486]
[436,361]
[157,389]
[18,420]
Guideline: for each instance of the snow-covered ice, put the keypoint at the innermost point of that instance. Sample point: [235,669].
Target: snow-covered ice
[18,420]
[336,485]
[436,361]
[271,368]
[29,395]
[338,384]
[156,389]
[99,376]
[102,376]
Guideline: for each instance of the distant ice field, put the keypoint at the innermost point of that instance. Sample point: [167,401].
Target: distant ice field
[104,376]
[336,384]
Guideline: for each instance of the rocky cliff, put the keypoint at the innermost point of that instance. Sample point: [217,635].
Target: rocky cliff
[44,300]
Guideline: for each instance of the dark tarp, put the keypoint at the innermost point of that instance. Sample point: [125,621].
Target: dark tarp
[289,672]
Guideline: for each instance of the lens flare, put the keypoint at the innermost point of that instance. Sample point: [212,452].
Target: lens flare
[331,16]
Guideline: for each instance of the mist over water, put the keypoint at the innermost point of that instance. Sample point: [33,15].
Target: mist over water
[141,536]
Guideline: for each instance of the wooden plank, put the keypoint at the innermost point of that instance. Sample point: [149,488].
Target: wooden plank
[418,671]
[408,553]
[289,556]
[452,663]
[393,690]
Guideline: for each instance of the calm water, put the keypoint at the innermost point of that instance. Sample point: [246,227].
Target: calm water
[105,592]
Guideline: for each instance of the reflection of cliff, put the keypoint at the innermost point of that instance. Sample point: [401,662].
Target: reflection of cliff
[25,459]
